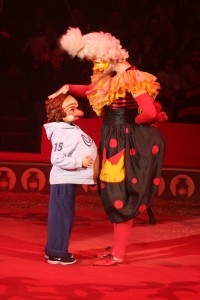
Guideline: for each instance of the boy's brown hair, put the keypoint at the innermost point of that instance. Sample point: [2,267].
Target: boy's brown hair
[54,110]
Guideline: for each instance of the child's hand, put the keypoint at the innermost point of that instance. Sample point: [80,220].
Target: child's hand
[87,161]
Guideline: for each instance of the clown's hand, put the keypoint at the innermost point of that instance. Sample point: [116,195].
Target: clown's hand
[63,90]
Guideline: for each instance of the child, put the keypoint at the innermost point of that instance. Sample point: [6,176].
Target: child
[74,161]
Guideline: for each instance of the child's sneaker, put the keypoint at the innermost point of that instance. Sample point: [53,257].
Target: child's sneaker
[68,260]
[47,256]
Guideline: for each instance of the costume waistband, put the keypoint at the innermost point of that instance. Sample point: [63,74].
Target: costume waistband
[119,116]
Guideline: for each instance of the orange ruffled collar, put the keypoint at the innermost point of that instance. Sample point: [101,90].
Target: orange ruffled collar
[106,88]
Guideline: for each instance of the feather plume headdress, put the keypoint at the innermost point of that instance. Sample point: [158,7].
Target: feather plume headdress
[93,46]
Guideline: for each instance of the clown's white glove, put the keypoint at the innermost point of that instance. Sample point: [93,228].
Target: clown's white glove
[63,90]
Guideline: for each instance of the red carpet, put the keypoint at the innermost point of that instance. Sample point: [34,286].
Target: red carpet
[162,260]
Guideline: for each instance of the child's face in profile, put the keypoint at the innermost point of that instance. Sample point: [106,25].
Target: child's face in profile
[70,107]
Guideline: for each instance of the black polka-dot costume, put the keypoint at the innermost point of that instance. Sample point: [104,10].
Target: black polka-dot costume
[132,158]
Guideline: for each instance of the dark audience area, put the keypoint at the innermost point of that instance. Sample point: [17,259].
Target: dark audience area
[161,36]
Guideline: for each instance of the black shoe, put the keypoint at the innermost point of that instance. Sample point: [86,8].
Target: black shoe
[61,261]
[47,256]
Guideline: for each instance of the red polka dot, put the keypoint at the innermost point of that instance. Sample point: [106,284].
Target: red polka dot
[113,143]
[103,185]
[156,181]
[126,130]
[134,180]
[118,204]
[132,151]
[142,208]
[155,149]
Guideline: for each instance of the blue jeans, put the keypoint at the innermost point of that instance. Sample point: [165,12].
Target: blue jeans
[60,218]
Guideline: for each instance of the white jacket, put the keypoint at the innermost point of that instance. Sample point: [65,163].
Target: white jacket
[69,145]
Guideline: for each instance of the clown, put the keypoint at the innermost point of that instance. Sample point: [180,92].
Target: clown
[74,161]
[131,146]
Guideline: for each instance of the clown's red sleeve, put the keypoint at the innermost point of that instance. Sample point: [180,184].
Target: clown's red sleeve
[146,104]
